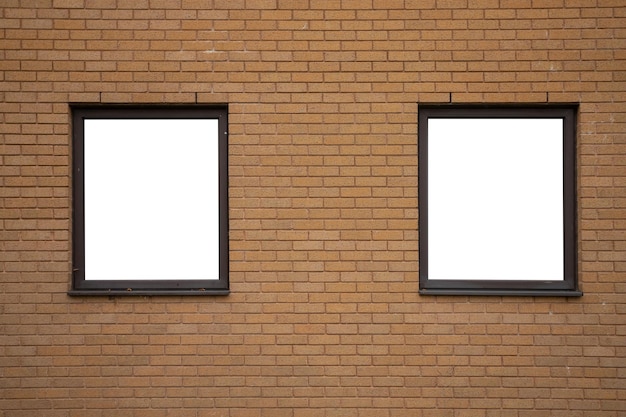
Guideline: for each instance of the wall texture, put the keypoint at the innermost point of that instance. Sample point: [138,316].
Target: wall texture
[324,316]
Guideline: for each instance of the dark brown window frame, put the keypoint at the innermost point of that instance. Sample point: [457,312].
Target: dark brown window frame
[566,287]
[81,286]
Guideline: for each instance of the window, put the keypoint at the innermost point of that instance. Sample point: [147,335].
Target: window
[497,200]
[150,200]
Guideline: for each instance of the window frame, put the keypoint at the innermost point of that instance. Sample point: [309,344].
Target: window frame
[568,286]
[83,286]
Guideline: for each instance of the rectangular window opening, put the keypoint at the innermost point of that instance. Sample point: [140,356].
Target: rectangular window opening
[150,200]
[497,200]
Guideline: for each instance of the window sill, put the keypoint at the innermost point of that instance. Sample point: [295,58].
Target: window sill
[131,292]
[520,293]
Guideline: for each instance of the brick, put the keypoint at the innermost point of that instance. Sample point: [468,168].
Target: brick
[324,316]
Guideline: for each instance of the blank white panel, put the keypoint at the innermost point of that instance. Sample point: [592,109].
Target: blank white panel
[151,199]
[495,199]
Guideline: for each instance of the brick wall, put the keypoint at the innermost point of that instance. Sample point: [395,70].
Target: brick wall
[324,316]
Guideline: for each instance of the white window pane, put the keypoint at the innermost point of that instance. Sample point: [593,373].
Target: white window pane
[151,199]
[495,199]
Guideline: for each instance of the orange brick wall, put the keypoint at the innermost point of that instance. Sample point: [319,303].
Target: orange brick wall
[324,316]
